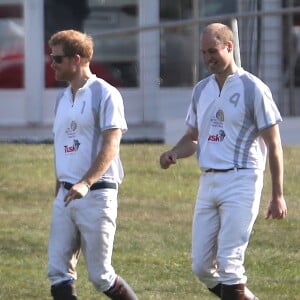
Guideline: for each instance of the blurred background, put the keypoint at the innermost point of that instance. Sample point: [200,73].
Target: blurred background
[148,49]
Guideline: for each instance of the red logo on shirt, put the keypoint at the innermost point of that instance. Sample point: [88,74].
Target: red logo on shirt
[217,137]
[72,148]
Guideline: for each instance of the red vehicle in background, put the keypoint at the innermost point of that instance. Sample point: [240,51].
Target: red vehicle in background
[12,54]
[12,71]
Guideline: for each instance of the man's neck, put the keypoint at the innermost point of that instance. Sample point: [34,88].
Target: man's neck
[80,80]
[221,77]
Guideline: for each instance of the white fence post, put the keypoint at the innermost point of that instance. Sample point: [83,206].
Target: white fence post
[34,62]
[149,59]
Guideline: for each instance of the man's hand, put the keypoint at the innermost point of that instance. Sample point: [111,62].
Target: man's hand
[277,209]
[77,191]
[168,158]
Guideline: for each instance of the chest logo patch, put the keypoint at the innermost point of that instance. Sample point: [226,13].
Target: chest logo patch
[219,137]
[73,125]
[71,131]
[220,115]
[72,148]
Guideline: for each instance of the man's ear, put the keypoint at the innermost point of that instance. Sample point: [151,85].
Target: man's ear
[77,58]
[229,46]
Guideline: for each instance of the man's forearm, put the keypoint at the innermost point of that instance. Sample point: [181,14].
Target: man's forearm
[276,170]
[109,150]
[185,147]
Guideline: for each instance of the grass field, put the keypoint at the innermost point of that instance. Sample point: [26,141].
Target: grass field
[152,247]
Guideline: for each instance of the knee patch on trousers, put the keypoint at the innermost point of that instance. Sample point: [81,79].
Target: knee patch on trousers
[201,272]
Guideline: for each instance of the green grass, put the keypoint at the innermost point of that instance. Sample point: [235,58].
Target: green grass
[152,247]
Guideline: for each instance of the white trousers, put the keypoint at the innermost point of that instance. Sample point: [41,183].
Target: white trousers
[226,208]
[86,225]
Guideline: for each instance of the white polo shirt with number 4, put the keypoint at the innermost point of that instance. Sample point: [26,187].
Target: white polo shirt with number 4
[229,121]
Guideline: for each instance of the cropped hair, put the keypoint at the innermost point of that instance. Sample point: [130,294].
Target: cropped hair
[73,42]
[222,32]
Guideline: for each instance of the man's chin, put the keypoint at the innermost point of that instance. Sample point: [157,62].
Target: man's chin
[212,68]
[59,78]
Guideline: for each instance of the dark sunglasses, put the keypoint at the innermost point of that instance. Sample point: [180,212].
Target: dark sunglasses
[58,58]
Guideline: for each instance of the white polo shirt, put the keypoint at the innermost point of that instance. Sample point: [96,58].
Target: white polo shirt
[78,125]
[229,121]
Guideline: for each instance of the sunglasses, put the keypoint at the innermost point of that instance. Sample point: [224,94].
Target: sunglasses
[58,58]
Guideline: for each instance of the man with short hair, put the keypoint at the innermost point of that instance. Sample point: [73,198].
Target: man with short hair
[232,123]
[88,126]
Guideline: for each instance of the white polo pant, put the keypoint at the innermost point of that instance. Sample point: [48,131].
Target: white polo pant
[226,208]
[88,225]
